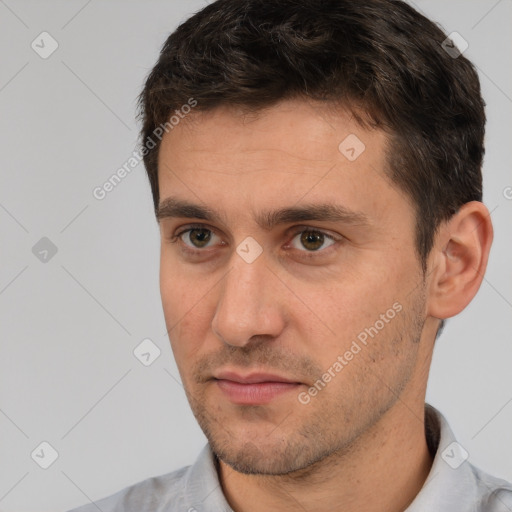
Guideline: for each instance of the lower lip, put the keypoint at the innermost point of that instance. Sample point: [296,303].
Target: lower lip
[254,394]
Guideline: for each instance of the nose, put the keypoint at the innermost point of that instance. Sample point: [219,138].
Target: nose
[250,304]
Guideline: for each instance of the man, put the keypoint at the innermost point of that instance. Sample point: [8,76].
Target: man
[316,174]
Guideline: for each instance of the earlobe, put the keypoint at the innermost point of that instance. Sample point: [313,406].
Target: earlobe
[459,260]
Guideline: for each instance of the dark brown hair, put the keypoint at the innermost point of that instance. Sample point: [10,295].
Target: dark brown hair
[381,59]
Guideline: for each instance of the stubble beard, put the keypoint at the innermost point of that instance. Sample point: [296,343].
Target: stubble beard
[322,432]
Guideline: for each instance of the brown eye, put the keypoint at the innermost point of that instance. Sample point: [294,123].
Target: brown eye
[311,240]
[199,237]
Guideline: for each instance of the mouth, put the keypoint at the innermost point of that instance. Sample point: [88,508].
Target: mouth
[254,388]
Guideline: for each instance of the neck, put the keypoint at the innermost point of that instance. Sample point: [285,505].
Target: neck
[382,472]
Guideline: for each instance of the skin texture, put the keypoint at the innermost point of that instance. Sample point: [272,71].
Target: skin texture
[293,311]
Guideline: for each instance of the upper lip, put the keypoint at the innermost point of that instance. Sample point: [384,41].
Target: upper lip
[252,378]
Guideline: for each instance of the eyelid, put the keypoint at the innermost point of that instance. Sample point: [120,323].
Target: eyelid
[190,227]
[327,233]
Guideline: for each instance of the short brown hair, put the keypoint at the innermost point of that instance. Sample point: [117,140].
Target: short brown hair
[378,57]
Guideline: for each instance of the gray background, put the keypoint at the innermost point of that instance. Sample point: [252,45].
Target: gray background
[69,325]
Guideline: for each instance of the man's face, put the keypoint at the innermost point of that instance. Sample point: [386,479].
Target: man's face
[334,306]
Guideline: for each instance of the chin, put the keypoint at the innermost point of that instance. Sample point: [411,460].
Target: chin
[252,458]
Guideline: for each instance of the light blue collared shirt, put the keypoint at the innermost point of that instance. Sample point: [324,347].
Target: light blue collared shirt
[453,484]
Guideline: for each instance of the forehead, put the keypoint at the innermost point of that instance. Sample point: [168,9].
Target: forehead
[307,134]
[295,152]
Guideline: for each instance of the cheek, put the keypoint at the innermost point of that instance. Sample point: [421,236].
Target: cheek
[352,303]
[185,310]
[172,297]
[178,290]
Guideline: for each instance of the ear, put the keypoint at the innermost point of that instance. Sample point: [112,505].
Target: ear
[458,260]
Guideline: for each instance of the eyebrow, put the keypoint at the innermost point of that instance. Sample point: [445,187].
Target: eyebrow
[173,207]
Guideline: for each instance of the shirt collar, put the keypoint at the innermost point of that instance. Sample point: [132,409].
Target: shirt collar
[452,483]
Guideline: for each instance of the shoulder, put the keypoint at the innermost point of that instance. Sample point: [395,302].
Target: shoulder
[494,494]
[153,494]
[182,490]
[454,483]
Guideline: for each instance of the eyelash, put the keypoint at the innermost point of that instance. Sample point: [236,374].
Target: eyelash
[175,238]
